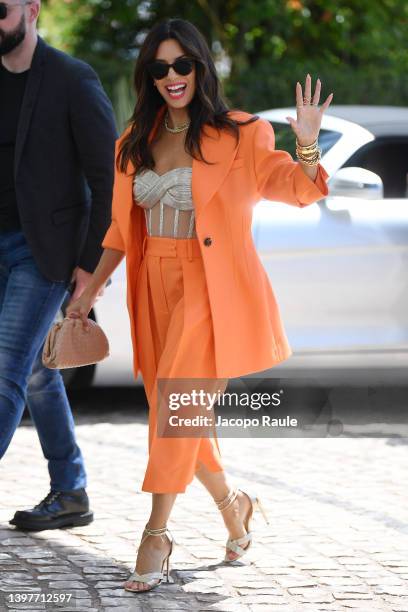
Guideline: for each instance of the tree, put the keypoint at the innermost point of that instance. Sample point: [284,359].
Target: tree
[262,48]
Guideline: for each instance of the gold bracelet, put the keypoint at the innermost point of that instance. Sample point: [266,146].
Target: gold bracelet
[310,162]
[306,147]
[309,151]
[308,158]
[309,154]
[316,163]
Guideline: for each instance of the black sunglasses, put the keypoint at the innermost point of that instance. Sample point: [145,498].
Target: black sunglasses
[158,69]
[4,8]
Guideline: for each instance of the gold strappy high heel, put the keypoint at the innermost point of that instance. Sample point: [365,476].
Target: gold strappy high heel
[153,579]
[236,546]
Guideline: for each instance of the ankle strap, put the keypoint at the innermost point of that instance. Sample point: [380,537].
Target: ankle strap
[155,532]
[162,531]
[223,504]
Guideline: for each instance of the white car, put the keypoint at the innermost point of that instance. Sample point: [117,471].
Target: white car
[338,267]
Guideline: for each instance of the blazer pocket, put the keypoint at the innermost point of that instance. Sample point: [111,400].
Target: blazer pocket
[66,214]
[238,162]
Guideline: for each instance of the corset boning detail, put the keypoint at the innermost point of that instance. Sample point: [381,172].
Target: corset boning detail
[167,201]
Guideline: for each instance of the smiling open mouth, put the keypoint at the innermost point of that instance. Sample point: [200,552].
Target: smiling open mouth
[176,91]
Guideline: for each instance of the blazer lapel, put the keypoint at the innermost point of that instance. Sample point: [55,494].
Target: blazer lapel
[30,95]
[219,147]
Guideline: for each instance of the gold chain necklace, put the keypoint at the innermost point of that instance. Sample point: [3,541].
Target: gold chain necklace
[177,128]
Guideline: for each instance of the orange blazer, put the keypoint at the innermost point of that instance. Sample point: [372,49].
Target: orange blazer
[248,330]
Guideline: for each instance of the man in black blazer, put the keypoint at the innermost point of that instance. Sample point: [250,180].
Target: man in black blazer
[57,137]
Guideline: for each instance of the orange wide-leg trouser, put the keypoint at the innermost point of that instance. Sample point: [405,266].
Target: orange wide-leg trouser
[175,340]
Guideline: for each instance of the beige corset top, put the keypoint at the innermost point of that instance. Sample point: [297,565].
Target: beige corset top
[167,200]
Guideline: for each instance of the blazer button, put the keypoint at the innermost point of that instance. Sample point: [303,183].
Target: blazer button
[207,241]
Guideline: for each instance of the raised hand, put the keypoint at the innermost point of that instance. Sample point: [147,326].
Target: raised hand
[306,126]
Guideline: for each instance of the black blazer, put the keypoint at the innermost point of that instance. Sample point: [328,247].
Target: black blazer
[64,162]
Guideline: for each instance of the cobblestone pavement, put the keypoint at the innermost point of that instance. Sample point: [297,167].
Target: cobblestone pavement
[337,539]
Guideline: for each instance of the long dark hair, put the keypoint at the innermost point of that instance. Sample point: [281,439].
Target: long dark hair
[206,107]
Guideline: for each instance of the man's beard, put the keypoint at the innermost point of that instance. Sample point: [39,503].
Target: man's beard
[10,40]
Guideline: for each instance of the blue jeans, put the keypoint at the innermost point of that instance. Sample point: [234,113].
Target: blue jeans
[29,303]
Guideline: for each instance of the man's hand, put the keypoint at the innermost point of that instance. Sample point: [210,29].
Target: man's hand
[81,278]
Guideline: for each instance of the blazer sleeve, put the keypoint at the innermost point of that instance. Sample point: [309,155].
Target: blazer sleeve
[113,238]
[278,176]
[94,132]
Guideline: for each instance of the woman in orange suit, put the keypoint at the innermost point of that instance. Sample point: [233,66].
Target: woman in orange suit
[188,173]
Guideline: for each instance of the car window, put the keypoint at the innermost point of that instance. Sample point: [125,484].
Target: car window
[387,156]
[285,138]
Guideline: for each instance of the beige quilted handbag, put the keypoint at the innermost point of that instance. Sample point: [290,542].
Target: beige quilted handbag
[68,345]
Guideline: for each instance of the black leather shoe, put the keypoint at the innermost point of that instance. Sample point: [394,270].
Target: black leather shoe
[57,509]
